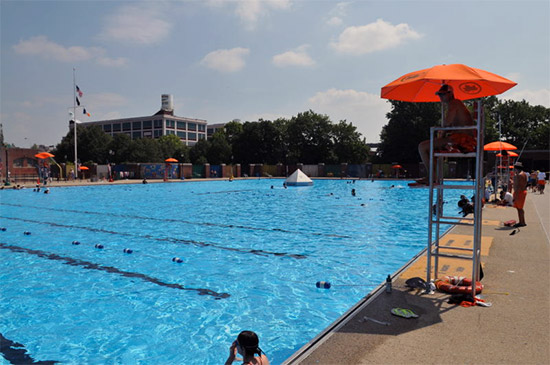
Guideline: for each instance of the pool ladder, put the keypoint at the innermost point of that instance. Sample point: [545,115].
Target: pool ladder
[437,190]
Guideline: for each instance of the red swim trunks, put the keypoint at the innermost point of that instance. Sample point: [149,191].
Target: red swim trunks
[519,199]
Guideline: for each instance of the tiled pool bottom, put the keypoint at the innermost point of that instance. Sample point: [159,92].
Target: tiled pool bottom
[250,257]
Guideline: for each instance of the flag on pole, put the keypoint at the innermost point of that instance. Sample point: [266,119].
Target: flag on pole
[85,112]
[77,101]
[80,93]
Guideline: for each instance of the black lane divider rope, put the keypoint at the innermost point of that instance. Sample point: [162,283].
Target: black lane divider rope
[181,221]
[110,269]
[167,239]
[16,353]
[225,192]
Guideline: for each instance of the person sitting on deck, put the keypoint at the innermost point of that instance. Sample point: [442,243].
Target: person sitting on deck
[457,116]
[506,199]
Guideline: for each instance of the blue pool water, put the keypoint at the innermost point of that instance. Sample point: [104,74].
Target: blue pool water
[251,256]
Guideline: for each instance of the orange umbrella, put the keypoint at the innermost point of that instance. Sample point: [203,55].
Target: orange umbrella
[510,153]
[467,82]
[84,168]
[397,167]
[499,146]
[43,155]
[171,160]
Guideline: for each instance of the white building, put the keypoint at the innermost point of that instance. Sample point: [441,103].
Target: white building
[162,123]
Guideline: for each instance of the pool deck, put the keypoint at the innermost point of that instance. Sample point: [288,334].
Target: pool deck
[515,330]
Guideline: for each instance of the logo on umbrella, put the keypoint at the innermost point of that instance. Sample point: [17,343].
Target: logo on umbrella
[413,76]
[471,88]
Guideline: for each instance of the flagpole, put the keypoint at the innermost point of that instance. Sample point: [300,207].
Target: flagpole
[74,124]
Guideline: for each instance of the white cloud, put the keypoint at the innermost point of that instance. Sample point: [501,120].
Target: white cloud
[137,24]
[105,100]
[297,57]
[365,111]
[335,21]
[337,13]
[513,76]
[373,37]
[533,97]
[112,62]
[226,60]
[40,45]
[250,11]
[43,47]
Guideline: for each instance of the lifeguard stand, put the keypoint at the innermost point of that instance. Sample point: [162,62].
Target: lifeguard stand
[438,186]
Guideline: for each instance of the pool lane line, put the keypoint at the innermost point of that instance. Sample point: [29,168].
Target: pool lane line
[110,269]
[16,353]
[167,239]
[181,221]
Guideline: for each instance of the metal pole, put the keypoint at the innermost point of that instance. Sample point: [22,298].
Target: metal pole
[74,125]
[478,196]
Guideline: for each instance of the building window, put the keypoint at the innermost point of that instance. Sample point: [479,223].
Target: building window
[170,123]
[126,126]
[182,134]
[202,136]
[148,124]
[106,127]
[202,127]
[192,126]
[136,134]
[136,125]
[170,132]
[19,162]
[147,134]
[158,133]
[158,123]
[192,136]
[181,125]
[32,162]
[116,127]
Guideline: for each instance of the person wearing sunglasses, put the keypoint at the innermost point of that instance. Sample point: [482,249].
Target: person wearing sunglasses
[247,346]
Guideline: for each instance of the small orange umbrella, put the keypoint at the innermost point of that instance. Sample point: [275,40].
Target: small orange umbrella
[84,168]
[467,83]
[510,153]
[43,155]
[171,160]
[499,146]
[397,167]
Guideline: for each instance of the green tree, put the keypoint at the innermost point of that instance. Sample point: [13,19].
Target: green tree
[219,149]
[172,147]
[198,153]
[348,146]
[92,145]
[310,138]
[145,150]
[408,125]
[523,124]
[120,148]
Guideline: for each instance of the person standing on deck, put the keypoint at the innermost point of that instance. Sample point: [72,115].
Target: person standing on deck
[520,193]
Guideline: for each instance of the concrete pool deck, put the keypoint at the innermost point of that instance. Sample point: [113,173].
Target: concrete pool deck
[515,330]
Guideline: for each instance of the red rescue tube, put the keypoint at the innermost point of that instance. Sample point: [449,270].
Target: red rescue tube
[457,285]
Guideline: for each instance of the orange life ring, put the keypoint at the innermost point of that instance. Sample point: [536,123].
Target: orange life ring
[457,285]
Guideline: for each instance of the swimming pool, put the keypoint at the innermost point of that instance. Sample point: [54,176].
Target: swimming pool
[250,257]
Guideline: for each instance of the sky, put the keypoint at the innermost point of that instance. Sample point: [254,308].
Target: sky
[223,60]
